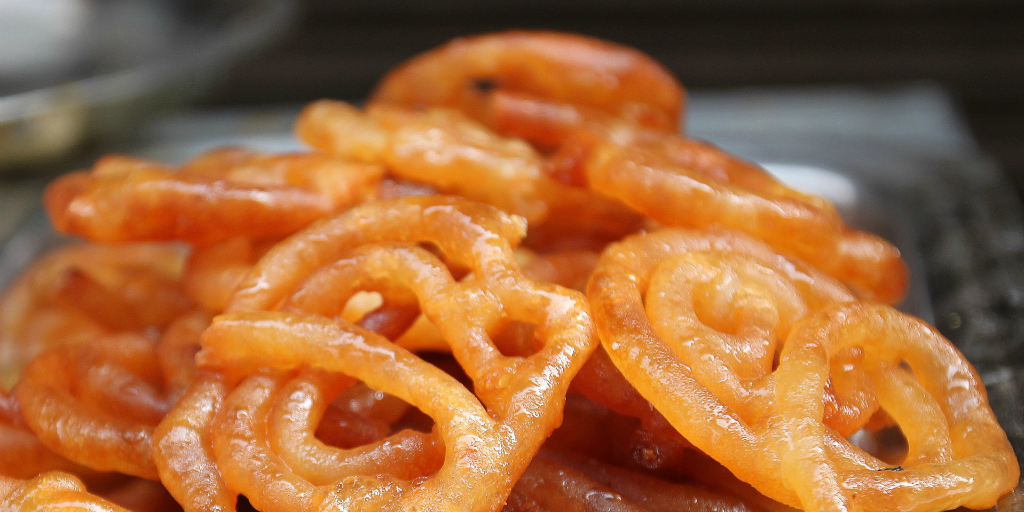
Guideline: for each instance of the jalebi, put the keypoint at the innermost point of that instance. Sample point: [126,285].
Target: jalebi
[738,345]
[508,282]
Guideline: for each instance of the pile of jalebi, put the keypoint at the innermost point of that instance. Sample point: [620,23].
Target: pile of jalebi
[507,283]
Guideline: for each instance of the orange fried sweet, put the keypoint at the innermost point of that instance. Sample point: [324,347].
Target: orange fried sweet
[452,154]
[22,455]
[97,404]
[712,314]
[283,317]
[437,147]
[564,68]
[212,272]
[222,194]
[670,179]
[804,227]
[394,321]
[80,292]
[182,448]
[682,182]
[87,319]
[51,491]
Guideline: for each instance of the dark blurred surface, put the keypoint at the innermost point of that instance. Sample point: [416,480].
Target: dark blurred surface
[975,49]
[80,76]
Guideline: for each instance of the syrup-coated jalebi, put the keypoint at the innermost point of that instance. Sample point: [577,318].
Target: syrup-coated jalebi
[80,292]
[97,389]
[697,321]
[22,455]
[223,193]
[808,228]
[673,180]
[566,68]
[102,392]
[456,155]
[395,320]
[51,491]
[368,248]
[441,148]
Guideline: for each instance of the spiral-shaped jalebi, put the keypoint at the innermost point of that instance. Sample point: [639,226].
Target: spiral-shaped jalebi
[506,283]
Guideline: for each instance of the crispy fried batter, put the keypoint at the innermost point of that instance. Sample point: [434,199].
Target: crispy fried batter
[395,321]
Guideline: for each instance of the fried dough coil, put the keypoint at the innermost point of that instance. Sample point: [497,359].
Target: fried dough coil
[441,148]
[484,450]
[565,68]
[676,196]
[51,491]
[70,395]
[739,409]
[80,292]
[183,448]
[675,181]
[94,360]
[301,404]
[380,346]
[22,455]
[455,155]
[682,182]
[222,194]
[94,396]
[958,455]
[847,410]
[469,234]
[185,438]
[214,271]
